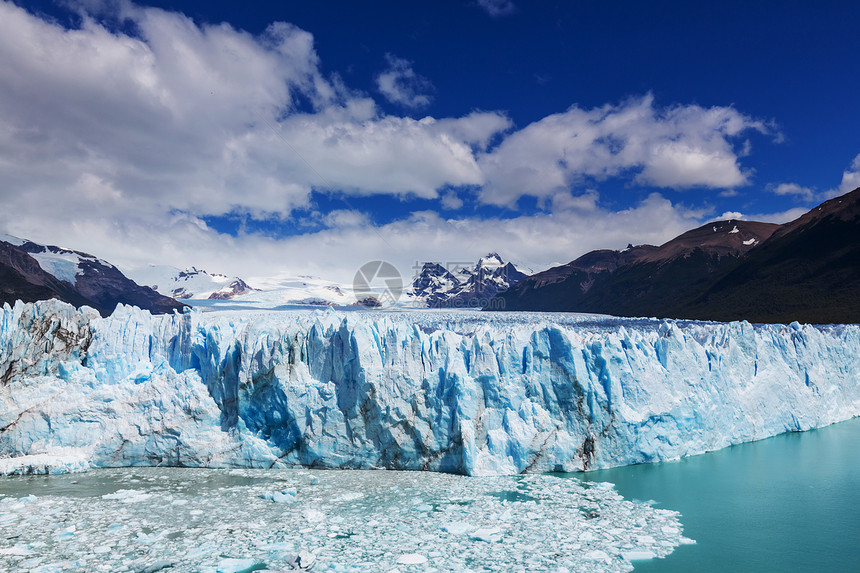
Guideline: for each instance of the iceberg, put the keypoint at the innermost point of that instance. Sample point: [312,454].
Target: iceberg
[457,392]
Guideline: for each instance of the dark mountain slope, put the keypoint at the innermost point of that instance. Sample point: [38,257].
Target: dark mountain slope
[808,271]
[22,278]
[642,280]
[96,283]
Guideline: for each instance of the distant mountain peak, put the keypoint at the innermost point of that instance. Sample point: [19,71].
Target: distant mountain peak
[30,271]
[463,285]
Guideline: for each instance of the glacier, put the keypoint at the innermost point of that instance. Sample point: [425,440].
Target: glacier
[458,392]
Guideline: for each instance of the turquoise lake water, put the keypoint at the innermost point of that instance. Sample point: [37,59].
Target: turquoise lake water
[788,503]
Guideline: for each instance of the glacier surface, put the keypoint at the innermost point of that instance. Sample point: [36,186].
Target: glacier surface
[460,392]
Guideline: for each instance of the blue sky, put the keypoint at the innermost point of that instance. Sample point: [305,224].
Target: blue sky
[310,137]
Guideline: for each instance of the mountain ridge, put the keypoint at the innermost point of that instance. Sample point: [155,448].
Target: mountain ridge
[725,270]
[30,272]
[436,286]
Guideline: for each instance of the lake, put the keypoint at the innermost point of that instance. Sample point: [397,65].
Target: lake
[788,503]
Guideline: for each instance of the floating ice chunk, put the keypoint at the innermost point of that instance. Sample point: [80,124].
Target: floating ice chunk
[596,555]
[638,554]
[488,534]
[148,539]
[16,550]
[412,559]
[65,533]
[457,527]
[302,560]
[128,496]
[350,496]
[200,552]
[283,497]
[233,565]
[313,515]
[157,566]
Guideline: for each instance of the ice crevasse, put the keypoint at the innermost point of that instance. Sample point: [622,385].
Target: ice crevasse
[471,393]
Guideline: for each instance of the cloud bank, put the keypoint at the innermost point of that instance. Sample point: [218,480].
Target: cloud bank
[122,140]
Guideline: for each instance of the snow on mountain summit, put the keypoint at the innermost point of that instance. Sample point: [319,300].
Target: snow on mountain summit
[65,264]
[459,285]
[30,271]
[189,283]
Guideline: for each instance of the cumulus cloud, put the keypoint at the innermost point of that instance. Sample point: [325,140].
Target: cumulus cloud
[497,8]
[779,217]
[676,147]
[850,178]
[401,85]
[805,193]
[124,145]
[451,201]
[204,119]
[850,182]
[540,240]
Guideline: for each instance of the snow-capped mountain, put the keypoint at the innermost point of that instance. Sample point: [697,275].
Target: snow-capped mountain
[462,286]
[191,283]
[284,290]
[30,271]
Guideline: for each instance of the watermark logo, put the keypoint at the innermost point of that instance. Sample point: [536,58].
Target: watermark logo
[377,284]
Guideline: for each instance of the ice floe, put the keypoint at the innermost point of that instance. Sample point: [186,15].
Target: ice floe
[89,522]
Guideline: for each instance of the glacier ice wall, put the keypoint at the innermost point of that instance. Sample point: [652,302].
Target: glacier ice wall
[471,393]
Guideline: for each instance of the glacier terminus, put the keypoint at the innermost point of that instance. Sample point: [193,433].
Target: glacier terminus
[458,392]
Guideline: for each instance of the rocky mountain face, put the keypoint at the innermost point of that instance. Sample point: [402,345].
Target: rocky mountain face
[809,271]
[237,287]
[461,286]
[805,270]
[30,272]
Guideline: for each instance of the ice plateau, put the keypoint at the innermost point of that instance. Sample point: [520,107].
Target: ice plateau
[459,392]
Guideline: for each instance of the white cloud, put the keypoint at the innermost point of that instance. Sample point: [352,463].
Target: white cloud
[401,85]
[850,182]
[850,179]
[451,201]
[676,147]
[346,218]
[778,217]
[122,145]
[200,119]
[805,193]
[539,240]
[497,8]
